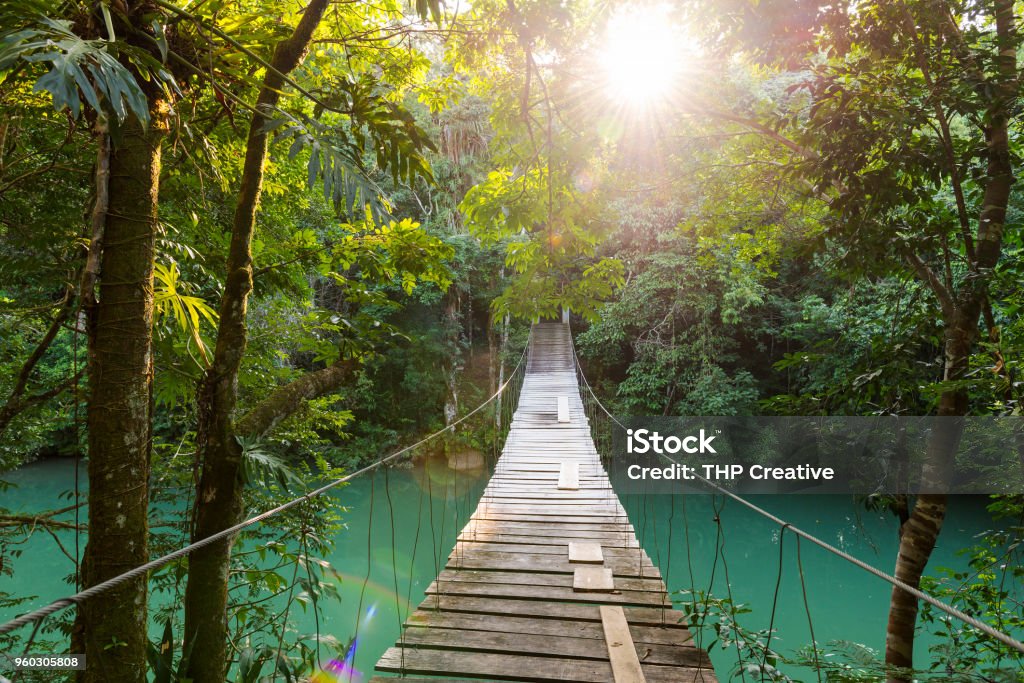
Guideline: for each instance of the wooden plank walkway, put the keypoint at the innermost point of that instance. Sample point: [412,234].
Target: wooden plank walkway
[509,604]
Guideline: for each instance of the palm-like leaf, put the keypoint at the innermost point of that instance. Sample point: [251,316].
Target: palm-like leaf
[188,311]
[260,465]
[81,69]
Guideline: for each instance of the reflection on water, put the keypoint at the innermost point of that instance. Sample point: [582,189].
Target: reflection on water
[401,525]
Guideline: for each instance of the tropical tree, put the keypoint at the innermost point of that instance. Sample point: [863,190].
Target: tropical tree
[900,116]
[108,67]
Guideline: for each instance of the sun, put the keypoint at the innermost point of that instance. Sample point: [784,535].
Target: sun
[642,55]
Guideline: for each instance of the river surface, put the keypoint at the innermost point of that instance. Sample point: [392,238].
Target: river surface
[391,550]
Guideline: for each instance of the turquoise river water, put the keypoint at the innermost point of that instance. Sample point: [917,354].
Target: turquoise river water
[390,552]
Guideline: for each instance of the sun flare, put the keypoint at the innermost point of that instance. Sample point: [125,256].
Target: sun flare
[642,55]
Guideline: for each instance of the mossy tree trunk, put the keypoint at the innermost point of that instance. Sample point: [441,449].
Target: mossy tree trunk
[113,629]
[219,502]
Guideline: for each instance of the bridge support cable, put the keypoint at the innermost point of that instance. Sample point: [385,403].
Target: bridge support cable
[988,630]
[37,616]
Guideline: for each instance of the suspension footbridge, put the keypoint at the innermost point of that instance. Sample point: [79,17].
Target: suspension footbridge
[547,581]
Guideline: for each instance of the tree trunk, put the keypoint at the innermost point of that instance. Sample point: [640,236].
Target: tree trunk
[113,628]
[453,329]
[961,321]
[219,500]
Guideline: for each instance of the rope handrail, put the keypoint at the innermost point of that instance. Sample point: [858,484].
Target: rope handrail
[93,591]
[1004,638]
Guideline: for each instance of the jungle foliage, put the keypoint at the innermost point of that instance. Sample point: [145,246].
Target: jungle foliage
[248,246]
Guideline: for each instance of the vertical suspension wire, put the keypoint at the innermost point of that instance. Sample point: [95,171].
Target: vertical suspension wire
[433,532]
[354,646]
[728,590]
[654,530]
[316,613]
[775,601]
[711,578]
[299,553]
[457,550]
[412,566]
[394,562]
[668,566]
[643,529]
[807,609]
[696,637]
[442,559]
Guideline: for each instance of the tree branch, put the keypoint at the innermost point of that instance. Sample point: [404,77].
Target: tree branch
[285,400]
[933,281]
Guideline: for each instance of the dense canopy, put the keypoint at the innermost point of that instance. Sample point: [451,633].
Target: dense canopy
[248,246]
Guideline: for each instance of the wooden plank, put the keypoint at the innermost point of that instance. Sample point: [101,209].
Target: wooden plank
[583,520]
[537,579]
[610,540]
[569,476]
[599,582]
[545,563]
[563,408]
[538,527]
[621,652]
[586,553]
[506,667]
[592,580]
[679,638]
[543,549]
[645,616]
[549,645]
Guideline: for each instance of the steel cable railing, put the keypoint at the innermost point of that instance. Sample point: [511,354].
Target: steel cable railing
[988,630]
[36,616]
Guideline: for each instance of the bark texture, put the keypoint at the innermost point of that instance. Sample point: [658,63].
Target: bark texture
[113,629]
[961,311]
[219,501]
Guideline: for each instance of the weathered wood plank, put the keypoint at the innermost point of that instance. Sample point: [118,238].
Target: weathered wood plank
[563,408]
[549,645]
[537,562]
[645,616]
[610,540]
[519,667]
[600,582]
[536,527]
[593,580]
[621,651]
[535,579]
[677,637]
[587,553]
